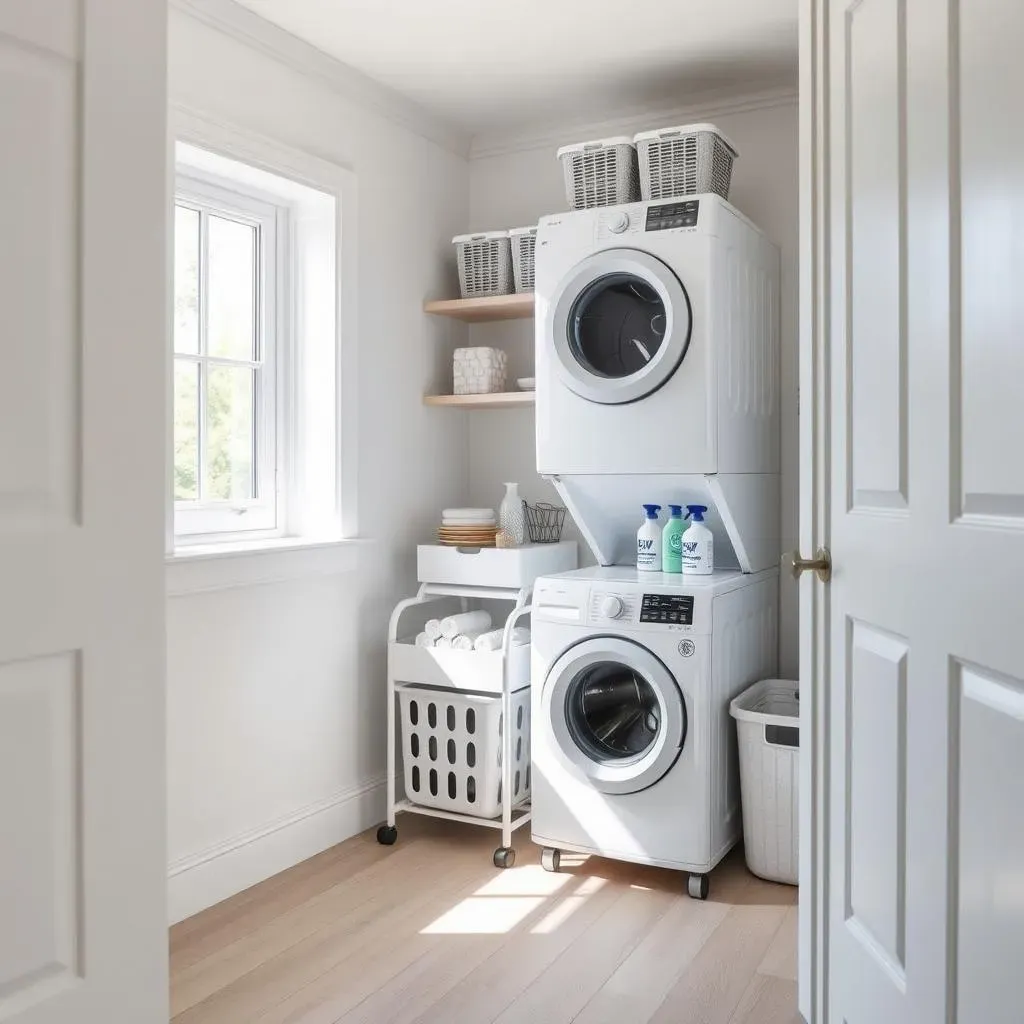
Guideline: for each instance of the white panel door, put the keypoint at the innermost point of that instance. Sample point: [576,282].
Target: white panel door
[914,448]
[82,386]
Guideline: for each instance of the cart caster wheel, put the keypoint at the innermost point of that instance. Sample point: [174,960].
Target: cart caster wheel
[550,859]
[386,835]
[504,857]
[698,887]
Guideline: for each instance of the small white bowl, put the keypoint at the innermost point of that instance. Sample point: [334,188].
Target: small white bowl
[526,383]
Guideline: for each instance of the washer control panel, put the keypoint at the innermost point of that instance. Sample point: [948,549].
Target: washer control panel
[672,215]
[670,609]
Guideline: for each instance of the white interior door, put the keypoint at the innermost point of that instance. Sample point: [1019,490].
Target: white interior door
[82,385]
[914,445]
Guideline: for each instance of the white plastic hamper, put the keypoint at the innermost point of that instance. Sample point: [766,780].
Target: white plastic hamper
[768,726]
[684,161]
[600,173]
[524,245]
[451,749]
[485,264]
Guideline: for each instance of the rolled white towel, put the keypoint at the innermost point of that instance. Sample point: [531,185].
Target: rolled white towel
[465,641]
[466,622]
[422,640]
[443,642]
[493,640]
[433,628]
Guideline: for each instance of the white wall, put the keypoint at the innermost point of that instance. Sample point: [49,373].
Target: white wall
[515,188]
[275,691]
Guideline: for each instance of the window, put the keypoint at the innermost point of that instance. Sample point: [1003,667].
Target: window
[228,348]
[263,292]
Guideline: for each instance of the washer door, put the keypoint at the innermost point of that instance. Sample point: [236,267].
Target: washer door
[620,325]
[616,713]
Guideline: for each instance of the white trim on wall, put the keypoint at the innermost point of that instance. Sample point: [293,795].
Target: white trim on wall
[205,878]
[269,39]
[703,107]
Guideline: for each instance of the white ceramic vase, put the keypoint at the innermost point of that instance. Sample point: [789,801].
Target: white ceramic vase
[511,517]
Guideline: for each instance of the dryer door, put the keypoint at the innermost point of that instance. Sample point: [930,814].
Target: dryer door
[620,326]
[616,714]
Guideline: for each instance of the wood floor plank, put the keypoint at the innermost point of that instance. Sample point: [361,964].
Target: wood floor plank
[711,988]
[768,1000]
[487,990]
[781,959]
[558,995]
[642,981]
[365,927]
[241,915]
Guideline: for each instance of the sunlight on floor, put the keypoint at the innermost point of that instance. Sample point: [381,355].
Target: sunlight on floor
[509,898]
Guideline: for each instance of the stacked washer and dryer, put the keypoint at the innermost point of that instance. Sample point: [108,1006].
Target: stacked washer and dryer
[657,353]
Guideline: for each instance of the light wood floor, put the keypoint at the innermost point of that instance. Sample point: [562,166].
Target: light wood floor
[428,931]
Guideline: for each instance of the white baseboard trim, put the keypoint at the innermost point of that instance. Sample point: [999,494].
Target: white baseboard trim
[205,878]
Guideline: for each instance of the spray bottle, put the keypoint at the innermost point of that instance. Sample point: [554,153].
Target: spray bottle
[648,541]
[698,544]
[672,541]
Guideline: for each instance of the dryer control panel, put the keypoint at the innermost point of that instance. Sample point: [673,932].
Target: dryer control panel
[672,215]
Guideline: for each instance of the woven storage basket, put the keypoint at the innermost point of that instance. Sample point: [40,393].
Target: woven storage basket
[688,160]
[524,244]
[485,264]
[600,173]
[451,749]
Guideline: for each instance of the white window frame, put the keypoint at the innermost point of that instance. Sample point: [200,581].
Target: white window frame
[265,516]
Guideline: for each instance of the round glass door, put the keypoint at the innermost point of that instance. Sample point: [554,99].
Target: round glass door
[616,713]
[613,712]
[617,325]
[620,326]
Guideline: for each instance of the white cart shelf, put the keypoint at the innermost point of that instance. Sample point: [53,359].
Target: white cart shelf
[497,673]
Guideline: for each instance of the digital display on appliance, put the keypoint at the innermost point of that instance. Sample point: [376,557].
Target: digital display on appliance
[672,609]
[672,215]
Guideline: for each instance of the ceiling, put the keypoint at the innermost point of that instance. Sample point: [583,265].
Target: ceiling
[485,67]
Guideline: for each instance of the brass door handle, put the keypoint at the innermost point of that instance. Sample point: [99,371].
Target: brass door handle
[820,564]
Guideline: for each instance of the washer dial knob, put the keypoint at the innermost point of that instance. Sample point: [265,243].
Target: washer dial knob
[611,607]
[618,222]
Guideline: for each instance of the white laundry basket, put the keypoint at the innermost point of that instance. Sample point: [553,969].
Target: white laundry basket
[683,161]
[451,749]
[768,725]
[600,173]
[524,245]
[485,264]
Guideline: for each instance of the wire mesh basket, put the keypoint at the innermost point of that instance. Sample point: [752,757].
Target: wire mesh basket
[485,264]
[524,245]
[544,522]
[601,173]
[688,160]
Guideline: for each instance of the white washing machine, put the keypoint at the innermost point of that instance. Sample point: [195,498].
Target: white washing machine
[657,341]
[634,756]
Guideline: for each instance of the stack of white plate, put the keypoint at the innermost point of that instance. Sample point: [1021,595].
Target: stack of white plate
[468,527]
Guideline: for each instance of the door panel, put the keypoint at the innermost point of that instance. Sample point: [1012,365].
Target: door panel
[83,379]
[920,206]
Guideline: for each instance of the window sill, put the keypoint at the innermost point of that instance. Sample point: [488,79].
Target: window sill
[203,568]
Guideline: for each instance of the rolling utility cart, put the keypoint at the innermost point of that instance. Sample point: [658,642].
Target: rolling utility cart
[464,715]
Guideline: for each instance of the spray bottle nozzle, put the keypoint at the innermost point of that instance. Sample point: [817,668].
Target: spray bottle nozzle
[676,511]
[696,512]
[652,511]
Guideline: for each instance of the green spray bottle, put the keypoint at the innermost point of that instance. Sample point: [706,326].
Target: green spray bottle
[672,541]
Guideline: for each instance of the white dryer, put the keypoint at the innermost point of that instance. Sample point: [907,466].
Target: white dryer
[657,341]
[633,753]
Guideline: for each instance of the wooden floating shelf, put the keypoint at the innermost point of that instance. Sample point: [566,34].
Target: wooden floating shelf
[501,400]
[493,307]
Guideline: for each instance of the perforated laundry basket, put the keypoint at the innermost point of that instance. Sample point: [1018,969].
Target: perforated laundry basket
[600,173]
[451,749]
[768,725]
[687,160]
[485,264]
[524,245]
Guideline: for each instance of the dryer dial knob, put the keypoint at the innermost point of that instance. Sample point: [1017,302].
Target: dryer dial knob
[611,607]
[618,222]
